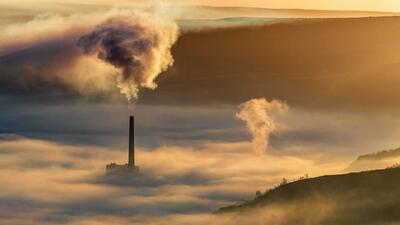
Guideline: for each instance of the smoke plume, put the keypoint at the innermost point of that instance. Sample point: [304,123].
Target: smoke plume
[258,116]
[139,47]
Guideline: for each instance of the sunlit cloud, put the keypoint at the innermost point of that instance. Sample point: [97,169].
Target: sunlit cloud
[67,183]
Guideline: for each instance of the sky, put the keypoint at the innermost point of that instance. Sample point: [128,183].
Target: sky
[329,88]
[361,5]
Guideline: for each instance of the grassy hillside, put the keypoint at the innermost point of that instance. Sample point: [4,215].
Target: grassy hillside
[371,197]
[310,63]
[381,155]
[377,160]
[210,12]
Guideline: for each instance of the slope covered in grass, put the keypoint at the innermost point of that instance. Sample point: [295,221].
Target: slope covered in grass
[371,197]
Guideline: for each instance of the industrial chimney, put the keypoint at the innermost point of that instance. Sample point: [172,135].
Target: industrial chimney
[129,168]
[131,160]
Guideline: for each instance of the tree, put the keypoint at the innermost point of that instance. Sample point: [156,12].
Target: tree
[283,182]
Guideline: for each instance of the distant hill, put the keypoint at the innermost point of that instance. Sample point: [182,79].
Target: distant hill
[210,12]
[231,22]
[377,160]
[197,17]
[318,64]
[380,155]
[315,63]
[371,197]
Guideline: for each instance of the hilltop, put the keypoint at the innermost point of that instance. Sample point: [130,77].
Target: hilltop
[378,160]
[213,12]
[384,154]
[371,197]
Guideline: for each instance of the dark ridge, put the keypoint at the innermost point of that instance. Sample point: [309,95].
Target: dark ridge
[371,197]
[384,154]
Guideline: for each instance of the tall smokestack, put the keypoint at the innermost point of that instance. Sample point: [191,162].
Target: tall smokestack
[131,160]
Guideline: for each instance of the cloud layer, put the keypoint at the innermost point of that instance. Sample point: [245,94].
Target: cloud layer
[48,182]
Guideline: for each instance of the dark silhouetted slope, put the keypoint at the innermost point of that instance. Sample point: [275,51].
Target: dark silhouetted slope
[357,198]
[377,160]
[380,155]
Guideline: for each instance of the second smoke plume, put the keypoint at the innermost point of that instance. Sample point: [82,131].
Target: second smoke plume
[258,116]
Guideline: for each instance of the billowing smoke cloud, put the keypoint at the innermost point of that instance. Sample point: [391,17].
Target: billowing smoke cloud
[54,52]
[258,116]
[139,46]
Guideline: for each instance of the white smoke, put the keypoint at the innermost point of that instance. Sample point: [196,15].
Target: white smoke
[139,46]
[258,114]
[96,51]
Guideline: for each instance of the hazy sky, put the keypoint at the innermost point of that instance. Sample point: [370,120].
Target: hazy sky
[385,5]
[62,117]
[370,5]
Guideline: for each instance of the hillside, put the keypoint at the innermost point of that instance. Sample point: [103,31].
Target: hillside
[310,63]
[377,160]
[371,197]
[211,12]
[380,155]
